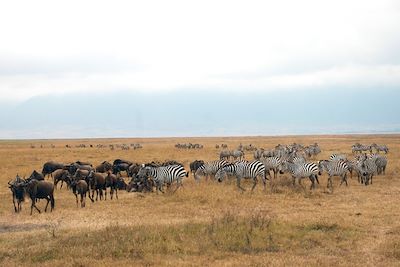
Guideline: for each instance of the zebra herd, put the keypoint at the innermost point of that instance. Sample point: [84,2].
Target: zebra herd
[293,159]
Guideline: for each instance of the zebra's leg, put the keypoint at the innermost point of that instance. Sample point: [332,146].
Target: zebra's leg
[255,181]
[238,184]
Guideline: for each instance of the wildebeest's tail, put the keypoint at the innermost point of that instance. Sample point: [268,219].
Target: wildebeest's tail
[52,202]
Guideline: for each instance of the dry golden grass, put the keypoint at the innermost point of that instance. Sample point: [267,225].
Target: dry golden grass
[206,223]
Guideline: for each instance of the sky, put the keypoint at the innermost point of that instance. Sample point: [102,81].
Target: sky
[198,68]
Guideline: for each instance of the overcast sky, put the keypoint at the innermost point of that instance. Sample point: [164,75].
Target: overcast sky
[106,48]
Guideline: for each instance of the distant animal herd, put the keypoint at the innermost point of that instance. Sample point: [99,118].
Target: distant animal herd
[84,180]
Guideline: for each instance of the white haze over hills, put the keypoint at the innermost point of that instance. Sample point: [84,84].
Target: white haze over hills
[71,69]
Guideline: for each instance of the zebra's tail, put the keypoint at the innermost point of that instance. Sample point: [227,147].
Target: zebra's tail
[187,174]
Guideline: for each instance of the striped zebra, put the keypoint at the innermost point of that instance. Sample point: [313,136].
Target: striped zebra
[360,148]
[369,169]
[165,175]
[301,170]
[272,163]
[336,157]
[334,168]
[245,170]
[209,169]
[379,148]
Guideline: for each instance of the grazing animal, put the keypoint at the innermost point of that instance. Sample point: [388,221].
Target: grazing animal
[104,167]
[72,168]
[250,170]
[63,176]
[334,168]
[272,163]
[209,169]
[238,154]
[301,170]
[379,148]
[81,174]
[335,157]
[133,169]
[50,166]
[40,190]
[80,187]
[96,182]
[225,154]
[111,181]
[165,175]
[123,166]
[36,175]
[195,165]
[18,192]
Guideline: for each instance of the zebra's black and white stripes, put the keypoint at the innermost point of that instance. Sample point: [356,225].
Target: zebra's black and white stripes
[209,168]
[244,170]
[334,168]
[165,175]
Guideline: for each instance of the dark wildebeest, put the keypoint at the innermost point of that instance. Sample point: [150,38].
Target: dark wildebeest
[133,169]
[81,187]
[111,182]
[63,176]
[171,162]
[81,174]
[105,166]
[36,175]
[118,168]
[119,161]
[18,192]
[72,168]
[50,166]
[195,165]
[83,163]
[40,190]
[96,182]
[121,184]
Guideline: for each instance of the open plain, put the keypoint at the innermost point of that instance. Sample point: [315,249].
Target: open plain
[206,223]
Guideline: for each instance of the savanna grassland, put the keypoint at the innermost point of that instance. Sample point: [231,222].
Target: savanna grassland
[208,223]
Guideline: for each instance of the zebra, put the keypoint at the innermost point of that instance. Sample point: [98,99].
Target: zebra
[334,168]
[225,154]
[251,170]
[209,168]
[272,163]
[369,168]
[379,148]
[336,157]
[360,148]
[165,174]
[237,154]
[380,161]
[301,170]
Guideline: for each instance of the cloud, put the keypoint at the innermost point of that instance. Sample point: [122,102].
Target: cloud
[99,46]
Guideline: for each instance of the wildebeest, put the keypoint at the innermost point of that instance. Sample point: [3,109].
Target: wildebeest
[40,190]
[195,165]
[18,192]
[105,166]
[111,182]
[72,168]
[96,182]
[80,187]
[83,163]
[36,175]
[123,166]
[50,166]
[133,169]
[81,174]
[63,176]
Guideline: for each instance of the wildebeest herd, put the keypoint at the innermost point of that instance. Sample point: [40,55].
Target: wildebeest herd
[84,180]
